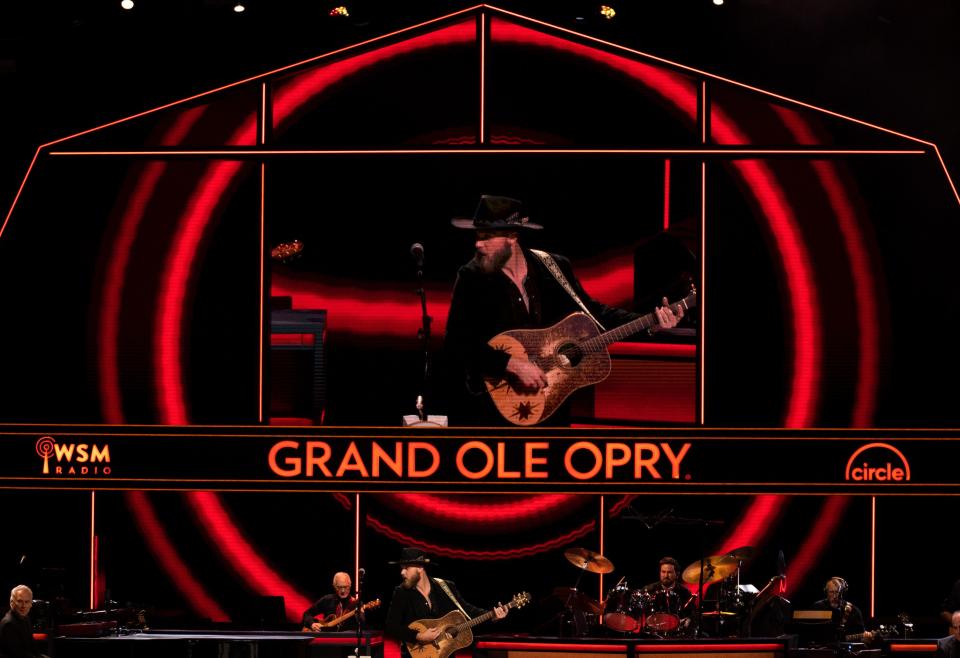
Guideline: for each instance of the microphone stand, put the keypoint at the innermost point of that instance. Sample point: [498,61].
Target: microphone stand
[423,333]
[359,609]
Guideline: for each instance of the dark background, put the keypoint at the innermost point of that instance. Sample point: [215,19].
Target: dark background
[69,65]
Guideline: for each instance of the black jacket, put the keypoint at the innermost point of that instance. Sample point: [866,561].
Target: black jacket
[409,605]
[326,606]
[16,637]
[484,305]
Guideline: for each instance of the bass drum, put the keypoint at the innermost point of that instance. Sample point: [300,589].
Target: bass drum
[621,612]
[664,614]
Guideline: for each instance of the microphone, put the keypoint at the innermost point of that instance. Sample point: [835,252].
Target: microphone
[416,250]
[361,572]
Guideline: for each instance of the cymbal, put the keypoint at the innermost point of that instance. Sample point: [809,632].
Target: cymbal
[585,559]
[715,569]
[578,599]
[743,553]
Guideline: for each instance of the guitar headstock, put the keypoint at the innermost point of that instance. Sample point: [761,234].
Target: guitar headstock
[521,599]
[371,604]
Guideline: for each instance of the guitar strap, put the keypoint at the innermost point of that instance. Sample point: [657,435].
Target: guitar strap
[443,586]
[557,273]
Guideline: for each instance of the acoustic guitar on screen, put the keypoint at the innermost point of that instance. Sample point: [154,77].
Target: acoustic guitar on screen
[455,630]
[572,354]
[331,621]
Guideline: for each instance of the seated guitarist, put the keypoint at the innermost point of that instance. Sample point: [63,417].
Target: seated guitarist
[331,606]
[507,286]
[421,597]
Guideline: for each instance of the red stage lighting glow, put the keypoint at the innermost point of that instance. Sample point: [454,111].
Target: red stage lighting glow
[163,550]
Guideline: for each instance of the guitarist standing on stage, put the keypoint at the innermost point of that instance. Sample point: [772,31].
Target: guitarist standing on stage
[506,286]
[333,605]
[421,597]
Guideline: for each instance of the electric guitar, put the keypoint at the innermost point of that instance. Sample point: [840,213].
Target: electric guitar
[333,622]
[572,354]
[455,630]
[902,626]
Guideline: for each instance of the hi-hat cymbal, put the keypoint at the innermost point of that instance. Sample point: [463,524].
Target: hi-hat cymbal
[589,560]
[715,569]
[578,600]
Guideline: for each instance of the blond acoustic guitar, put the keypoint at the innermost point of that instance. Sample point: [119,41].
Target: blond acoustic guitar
[572,354]
[455,630]
[332,622]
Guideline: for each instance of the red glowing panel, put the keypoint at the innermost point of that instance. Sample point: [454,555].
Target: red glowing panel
[163,550]
[677,89]
[866,297]
[466,554]
[240,555]
[296,93]
[823,531]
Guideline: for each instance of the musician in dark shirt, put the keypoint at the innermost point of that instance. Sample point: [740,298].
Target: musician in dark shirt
[506,286]
[333,605]
[846,616]
[420,597]
[668,598]
[16,631]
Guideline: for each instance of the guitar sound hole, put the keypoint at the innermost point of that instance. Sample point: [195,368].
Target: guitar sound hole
[569,355]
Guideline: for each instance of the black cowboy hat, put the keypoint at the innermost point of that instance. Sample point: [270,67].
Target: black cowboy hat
[412,556]
[496,212]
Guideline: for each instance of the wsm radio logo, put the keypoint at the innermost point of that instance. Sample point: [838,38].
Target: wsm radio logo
[73,458]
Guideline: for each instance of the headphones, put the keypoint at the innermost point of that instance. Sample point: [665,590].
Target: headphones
[842,585]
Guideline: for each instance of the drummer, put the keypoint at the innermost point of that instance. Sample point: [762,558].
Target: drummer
[668,596]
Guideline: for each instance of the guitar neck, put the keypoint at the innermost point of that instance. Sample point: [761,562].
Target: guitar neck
[638,325]
[470,623]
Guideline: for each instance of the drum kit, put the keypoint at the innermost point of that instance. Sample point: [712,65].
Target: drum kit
[655,612]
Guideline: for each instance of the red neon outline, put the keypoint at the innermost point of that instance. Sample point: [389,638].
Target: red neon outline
[906,464]
[701,297]
[263,291]
[830,515]
[217,523]
[666,194]
[483,75]
[464,554]
[734,151]
[163,550]
[16,197]
[602,516]
[356,539]
[873,555]
[93,550]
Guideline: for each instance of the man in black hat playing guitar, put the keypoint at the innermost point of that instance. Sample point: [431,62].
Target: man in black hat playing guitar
[422,598]
[508,287]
